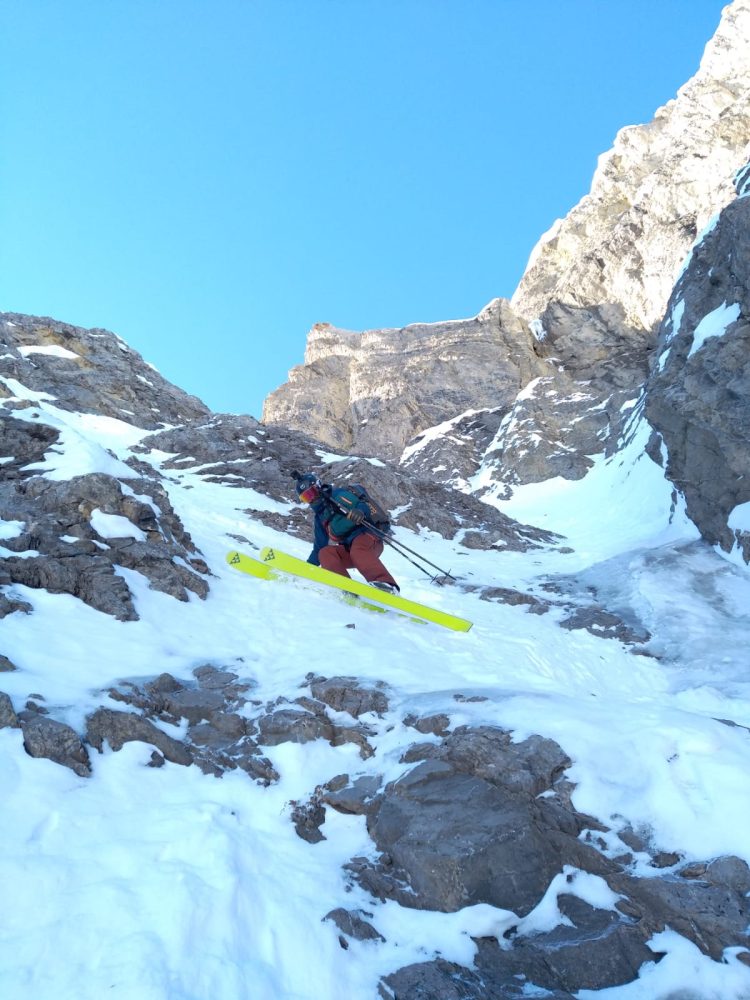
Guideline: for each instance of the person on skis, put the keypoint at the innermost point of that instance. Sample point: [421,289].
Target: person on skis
[341,537]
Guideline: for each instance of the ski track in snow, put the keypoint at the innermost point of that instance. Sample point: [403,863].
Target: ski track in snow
[165,884]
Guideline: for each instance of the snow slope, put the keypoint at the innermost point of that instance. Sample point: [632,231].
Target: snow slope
[167,884]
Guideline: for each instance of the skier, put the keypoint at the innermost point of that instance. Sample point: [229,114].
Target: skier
[341,539]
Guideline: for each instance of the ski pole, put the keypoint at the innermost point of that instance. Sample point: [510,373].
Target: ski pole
[399,547]
[403,549]
[433,578]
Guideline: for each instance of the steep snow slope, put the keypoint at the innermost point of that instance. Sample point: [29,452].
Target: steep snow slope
[166,882]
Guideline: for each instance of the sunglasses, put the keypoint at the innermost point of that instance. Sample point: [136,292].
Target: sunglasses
[309,494]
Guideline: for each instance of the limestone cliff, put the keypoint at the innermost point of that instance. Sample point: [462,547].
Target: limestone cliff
[370,393]
[652,193]
[533,388]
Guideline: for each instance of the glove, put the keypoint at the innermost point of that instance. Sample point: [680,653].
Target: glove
[357,516]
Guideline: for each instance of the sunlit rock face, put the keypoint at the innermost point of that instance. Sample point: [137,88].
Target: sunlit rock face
[698,396]
[535,388]
[652,193]
[91,371]
[370,393]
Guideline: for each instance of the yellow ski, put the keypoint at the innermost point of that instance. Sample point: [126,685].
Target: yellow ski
[247,564]
[274,560]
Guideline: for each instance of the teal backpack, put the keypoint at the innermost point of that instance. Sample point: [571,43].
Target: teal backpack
[377,515]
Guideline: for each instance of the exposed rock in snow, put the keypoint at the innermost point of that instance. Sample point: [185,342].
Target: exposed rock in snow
[45,737]
[118,728]
[352,924]
[8,716]
[448,833]
[91,371]
[59,547]
[218,738]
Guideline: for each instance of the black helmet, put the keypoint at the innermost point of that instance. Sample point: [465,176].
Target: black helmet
[308,487]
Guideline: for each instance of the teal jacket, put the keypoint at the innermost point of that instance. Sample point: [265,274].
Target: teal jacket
[332,527]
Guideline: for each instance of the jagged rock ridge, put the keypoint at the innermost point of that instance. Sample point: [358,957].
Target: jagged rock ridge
[578,336]
[370,393]
[652,193]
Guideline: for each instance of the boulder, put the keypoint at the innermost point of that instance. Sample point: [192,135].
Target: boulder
[348,694]
[288,725]
[449,831]
[45,737]
[352,924]
[118,728]
[8,717]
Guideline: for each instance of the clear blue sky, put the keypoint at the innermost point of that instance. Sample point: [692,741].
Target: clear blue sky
[209,179]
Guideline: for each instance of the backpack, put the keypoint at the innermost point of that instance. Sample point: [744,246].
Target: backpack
[378,515]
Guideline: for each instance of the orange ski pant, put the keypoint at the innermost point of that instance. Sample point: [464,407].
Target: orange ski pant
[363,555]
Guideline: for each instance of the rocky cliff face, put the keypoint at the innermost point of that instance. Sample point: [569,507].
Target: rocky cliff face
[92,371]
[370,393]
[652,193]
[698,396]
[533,389]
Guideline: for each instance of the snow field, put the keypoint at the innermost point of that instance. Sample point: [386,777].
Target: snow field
[165,884]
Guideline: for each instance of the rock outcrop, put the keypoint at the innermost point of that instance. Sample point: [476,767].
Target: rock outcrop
[72,534]
[698,396]
[652,193]
[88,371]
[46,737]
[532,388]
[370,393]
[481,820]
